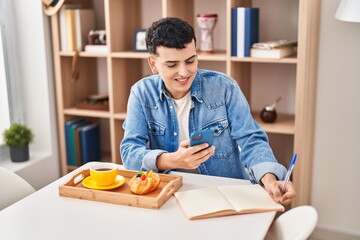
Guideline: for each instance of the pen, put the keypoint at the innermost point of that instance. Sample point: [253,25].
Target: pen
[288,174]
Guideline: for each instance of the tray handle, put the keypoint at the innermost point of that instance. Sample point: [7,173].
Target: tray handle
[168,190]
[77,178]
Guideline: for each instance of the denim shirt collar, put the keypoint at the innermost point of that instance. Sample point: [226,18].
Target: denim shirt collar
[162,89]
[195,88]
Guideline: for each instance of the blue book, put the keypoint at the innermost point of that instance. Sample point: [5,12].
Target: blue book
[90,143]
[78,144]
[234,32]
[247,30]
[67,128]
[251,29]
[72,142]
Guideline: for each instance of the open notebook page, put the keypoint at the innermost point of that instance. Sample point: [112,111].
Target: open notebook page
[249,198]
[202,201]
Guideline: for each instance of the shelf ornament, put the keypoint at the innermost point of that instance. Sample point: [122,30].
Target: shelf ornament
[268,114]
[207,24]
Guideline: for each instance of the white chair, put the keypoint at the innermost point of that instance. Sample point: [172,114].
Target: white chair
[12,188]
[296,224]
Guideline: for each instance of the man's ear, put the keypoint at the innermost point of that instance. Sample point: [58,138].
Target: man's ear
[151,62]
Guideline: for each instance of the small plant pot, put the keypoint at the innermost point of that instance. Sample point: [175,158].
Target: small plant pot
[19,154]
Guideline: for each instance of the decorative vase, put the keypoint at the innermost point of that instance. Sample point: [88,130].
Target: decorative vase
[207,24]
[19,154]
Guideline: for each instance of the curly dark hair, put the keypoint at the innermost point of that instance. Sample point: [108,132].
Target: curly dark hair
[169,32]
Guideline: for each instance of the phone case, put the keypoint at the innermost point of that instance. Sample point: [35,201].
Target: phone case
[203,136]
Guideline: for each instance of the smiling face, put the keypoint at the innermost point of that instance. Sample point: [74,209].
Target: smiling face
[176,67]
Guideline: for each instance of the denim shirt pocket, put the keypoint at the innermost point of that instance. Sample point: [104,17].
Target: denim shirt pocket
[222,137]
[157,135]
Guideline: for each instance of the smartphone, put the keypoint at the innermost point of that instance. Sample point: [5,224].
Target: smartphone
[203,136]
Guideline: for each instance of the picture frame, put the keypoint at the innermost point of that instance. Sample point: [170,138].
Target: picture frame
[139,40]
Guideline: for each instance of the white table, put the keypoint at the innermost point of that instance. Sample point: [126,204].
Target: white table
[45,215]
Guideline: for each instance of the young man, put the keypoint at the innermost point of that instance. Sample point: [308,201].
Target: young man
[165,108]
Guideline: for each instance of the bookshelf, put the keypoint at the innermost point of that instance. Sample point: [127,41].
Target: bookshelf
[116,71]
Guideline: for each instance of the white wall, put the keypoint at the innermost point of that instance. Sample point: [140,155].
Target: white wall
[336,192]
[35,73]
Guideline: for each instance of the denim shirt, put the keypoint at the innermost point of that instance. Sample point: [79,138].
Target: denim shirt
[217,103]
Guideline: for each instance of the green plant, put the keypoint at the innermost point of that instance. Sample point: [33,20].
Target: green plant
[18,135]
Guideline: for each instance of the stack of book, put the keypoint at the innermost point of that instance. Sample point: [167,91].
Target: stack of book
[273,49]
[244,30]
[94,102]
[82,141]
[75,24]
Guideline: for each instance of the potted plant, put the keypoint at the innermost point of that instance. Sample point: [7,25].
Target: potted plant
[17,138]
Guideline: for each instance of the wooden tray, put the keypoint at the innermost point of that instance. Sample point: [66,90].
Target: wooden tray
[168,186]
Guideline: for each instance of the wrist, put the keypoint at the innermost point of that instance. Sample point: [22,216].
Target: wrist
[268,178]
[163,161]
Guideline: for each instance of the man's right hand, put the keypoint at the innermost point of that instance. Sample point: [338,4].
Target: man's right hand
[185,157]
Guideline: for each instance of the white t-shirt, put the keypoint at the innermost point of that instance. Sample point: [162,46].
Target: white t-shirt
[182,107]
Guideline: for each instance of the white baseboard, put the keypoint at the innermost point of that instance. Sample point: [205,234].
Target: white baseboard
[326,234]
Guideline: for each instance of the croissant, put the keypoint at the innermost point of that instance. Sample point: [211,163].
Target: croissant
[144,183]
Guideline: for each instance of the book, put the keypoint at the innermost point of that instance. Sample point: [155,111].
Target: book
[70,30]
[251,29]
[84,23]
[275,44]
[67,129]
[73,149]
[78,144]
[234,32]
[245,30]
[62,27]
[226,200]
[275,53]
[96,48]
[240,30]
[98,97]
[90,143]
